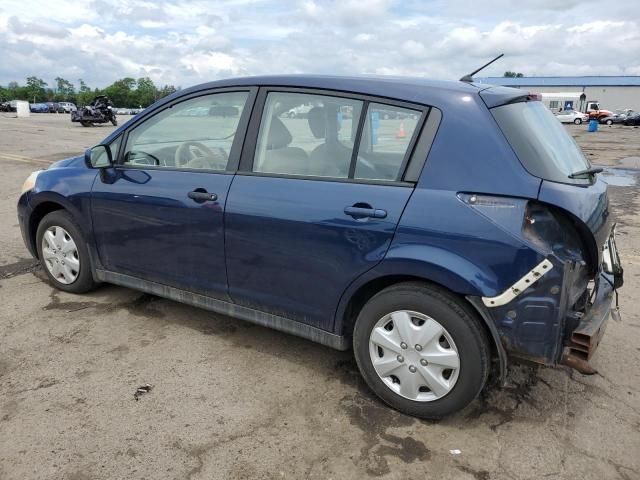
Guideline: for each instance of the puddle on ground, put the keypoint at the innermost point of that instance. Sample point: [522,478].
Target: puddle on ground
[620,177]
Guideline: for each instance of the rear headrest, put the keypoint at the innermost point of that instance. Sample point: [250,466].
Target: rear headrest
[279,135]
[317,123]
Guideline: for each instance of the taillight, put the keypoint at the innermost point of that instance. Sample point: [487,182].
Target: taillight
[555,232]
[506,212]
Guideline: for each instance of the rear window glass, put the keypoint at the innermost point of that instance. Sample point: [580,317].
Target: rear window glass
[540,141]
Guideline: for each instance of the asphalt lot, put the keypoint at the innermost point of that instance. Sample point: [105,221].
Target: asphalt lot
[231,400]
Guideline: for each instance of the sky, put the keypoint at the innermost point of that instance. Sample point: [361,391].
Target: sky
[186,42]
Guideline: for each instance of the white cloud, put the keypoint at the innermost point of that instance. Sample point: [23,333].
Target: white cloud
[191,41]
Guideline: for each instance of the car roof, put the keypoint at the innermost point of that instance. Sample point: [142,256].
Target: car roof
[410,89]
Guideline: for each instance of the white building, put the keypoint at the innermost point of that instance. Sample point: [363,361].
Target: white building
[611,92]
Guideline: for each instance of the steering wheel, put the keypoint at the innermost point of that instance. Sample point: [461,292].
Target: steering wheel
[192,154]
[141,161]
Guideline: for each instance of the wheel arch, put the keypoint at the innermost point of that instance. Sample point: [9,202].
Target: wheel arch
[363,291]
[44,203]
[39,212]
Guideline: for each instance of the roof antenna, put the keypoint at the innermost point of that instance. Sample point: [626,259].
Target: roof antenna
[469,78]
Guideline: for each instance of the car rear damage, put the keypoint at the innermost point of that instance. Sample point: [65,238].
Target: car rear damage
[557,312]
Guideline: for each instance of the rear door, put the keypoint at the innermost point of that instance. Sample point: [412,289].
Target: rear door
[158,215]
[317,199]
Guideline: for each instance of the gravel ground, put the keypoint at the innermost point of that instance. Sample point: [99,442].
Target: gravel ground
[231,400]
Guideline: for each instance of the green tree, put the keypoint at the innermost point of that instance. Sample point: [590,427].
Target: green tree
[167,90]
[35,89]
[84,96]
[510,74]
[16,92]
[121,92]
[146,92]
[64,90]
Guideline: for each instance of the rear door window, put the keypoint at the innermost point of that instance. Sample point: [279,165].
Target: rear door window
[307,135]
[541,143]
[315,135]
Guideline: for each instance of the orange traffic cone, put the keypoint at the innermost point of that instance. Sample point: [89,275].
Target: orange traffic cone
[401,133]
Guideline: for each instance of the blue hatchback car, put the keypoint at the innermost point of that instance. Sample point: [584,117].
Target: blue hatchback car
[437,228]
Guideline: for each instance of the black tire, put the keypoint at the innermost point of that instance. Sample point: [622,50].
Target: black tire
[578,121]
[84,281]
[456,317]
[609,122]
[114,122]
[85,123]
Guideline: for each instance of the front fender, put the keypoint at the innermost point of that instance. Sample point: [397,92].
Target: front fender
[40,198]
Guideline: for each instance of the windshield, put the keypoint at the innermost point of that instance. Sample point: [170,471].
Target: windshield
[540,141]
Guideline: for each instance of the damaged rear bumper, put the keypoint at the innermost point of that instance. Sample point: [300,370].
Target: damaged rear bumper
[585,338]
[557,315]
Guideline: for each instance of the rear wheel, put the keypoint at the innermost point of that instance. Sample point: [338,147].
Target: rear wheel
[609,122]
[578,121]
[63,253]
[421,350]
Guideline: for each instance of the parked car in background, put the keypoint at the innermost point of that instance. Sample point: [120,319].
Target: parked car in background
[385,236]
[299,111]
[223,111]
[67,107]
[201,111]
[5,107]
[572,116]
[39,108]
[54,107]
[632,119]
[595,112]
[613,119]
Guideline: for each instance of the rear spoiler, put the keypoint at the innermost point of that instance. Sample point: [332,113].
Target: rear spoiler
[497,96]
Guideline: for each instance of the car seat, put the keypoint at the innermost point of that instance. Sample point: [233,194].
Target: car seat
[279,156]
[332,158]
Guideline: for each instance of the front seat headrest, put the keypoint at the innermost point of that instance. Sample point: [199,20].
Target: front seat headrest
[279,135]
[317,125]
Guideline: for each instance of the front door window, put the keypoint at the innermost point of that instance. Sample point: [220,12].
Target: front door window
[194,134]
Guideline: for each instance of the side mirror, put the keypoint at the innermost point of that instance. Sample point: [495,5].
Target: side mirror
[98,157]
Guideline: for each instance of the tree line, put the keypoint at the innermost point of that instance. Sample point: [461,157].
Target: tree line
[126,92]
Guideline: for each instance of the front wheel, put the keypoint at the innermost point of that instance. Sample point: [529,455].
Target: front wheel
[85,123]
[609,122]
[578,121]
[63,253]
[114,122]
[422,350]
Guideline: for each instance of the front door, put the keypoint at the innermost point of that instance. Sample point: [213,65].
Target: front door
[158,215]
[319,202]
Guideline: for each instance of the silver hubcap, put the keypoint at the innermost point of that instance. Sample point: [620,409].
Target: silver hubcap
[414,355]
[60,255]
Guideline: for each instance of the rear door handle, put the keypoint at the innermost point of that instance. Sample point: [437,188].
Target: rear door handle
[200,195]
[363,212]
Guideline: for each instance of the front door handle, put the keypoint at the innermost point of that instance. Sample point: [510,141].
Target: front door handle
[200,195]
[358,212]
